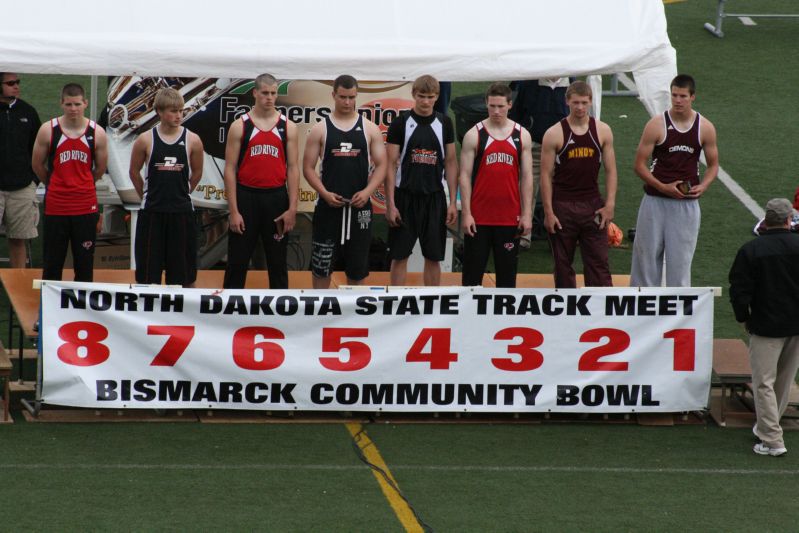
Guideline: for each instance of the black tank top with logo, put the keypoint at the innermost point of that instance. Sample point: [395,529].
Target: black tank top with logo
[345,160]
[166,186]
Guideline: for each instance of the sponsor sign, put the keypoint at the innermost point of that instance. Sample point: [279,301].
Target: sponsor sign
[446,349]
[212,104]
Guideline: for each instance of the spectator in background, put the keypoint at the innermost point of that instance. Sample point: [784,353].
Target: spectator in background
[444,95]
[19,209]
[538,105]
[764,292]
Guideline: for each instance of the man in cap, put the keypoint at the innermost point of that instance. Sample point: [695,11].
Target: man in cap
[764,291]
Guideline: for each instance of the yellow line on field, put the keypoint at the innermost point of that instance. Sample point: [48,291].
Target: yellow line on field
[370,451]
[673,1]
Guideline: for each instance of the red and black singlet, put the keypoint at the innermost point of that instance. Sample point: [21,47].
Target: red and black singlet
[70,189]
[495,197]
[262,158]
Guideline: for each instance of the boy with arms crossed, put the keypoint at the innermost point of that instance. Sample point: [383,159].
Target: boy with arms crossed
[69,155]
[166,234]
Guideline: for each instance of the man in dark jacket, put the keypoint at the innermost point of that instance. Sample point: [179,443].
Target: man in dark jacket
[764,291]
[19,210]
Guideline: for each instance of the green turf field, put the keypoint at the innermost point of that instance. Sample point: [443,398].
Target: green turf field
[467,477]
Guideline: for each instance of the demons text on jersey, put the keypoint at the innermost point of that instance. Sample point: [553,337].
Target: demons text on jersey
[681,148]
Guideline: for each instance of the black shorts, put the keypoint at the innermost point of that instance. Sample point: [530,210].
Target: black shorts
[424,217]
[166,241]
[338,239]
[503,243]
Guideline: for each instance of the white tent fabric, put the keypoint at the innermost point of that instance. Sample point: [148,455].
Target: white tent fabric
[467,40]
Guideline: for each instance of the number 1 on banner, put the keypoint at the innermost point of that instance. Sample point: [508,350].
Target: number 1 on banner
[440,355]
[175,345]
[684,348]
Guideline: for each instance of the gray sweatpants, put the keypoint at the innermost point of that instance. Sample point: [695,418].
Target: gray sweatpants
[666,228]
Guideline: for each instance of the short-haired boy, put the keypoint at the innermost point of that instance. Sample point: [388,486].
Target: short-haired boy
[166,234]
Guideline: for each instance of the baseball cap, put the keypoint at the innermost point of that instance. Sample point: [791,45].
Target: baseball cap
[777,210]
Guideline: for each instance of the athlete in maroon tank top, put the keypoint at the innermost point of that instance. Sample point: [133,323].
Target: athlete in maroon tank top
[574,212]
[676,159]
[577,164]
[673,140]
[668,221]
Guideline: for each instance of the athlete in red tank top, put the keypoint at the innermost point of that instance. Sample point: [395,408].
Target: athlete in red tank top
[263,159]
[262,179]
[496,185]
[69,155]
[70,190]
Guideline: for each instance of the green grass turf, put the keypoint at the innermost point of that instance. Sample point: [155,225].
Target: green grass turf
[550,478]
[71,479]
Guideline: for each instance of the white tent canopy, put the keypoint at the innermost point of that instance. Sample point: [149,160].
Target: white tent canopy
[467,40]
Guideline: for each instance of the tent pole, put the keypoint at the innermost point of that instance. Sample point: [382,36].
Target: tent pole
[93,99]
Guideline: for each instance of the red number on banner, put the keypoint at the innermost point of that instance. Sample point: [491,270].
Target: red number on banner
[176,344]
[359,353]
[440,355]
[82,346]
[684,348]
[618,341]
[529,358]
[262,355]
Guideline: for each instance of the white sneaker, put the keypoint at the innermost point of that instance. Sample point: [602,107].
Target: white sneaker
[762,449]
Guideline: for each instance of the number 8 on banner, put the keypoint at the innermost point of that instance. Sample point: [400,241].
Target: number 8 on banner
[82,346]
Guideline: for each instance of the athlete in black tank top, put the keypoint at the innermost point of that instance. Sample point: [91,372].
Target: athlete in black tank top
[422,140]
[166,186]
[345,162]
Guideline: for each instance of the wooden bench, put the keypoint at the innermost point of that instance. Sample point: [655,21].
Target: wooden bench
[5,378]
[731,366]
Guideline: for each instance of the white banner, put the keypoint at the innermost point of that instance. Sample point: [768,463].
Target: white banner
[436,350]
